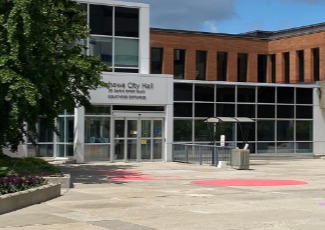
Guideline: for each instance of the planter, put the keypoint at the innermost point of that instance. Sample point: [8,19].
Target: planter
[13,201]
[65,180]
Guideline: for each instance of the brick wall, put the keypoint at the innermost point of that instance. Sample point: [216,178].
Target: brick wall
[190,41]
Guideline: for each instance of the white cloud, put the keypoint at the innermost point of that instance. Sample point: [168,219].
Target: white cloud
[188,14]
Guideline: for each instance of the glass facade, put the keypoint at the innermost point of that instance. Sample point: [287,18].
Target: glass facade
[114,36]
[283,115]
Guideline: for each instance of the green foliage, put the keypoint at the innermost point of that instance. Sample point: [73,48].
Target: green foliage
[26,166]
[42,68]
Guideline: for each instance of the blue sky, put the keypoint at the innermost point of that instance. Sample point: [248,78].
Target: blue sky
[234,16]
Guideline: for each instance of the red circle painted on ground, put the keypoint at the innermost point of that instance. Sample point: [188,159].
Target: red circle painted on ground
[248,182]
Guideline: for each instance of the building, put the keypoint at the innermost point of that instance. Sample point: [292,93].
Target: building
[165,83]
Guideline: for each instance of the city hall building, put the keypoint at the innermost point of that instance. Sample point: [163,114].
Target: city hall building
[165,83]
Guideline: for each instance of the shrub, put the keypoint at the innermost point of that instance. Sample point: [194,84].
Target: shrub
[13,183]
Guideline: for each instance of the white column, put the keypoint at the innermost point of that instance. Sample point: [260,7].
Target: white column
[144,39]
[79,135]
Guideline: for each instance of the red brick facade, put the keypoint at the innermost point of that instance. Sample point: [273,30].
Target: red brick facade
[169,40]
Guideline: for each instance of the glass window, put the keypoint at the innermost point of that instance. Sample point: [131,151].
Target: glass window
[265,147]
[124,70]
[261,67]
[301,65]
[65,127]
[225,93]
[204,110]
[265,130]
[286,95]
[126,52]
[156,60]
[242,61]
[246,110]
[182,130]
[200,64]
[304,112]
[304,147]
[101,19]
[204,92]
[304,130]
[246,94]
[266,111]
[201,131]
[246,131]
[285,147]
[225,110]
[101,48]
[183,92]
[285,130]
[304,96]
[266,94]
[183,110]
[286,67]
[126,22]
[227,129]
[285,111]
[98,110]
[44,134]
[157,128]
[97,152]
[97,129]
[222,66]
[315,63]
[179,63]
[273,67]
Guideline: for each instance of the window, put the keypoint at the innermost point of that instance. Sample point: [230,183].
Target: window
[273,68]
[126,22]
[126,52]
[301,69]
[200,65]
[101,48]
[101,20]
[179,63]
[242,67]
[315,58]
[261,67]
[286,67]
[156,60]
[222,58]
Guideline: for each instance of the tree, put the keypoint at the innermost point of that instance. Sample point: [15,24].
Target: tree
[42,68]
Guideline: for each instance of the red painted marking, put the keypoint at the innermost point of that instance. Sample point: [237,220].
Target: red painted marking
[248,182]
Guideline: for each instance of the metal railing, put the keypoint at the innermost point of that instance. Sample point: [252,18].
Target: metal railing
[201,154]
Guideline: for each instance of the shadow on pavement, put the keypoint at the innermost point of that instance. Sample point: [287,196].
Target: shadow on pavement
[97,173]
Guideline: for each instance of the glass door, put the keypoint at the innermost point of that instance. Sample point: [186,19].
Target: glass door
[138,139]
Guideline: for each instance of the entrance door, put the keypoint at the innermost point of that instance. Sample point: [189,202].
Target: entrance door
[138,139]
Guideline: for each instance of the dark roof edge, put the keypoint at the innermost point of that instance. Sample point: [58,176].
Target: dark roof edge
[257,34]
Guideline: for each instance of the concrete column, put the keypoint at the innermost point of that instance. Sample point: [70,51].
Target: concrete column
[232,67]
[252,68]
[79,135]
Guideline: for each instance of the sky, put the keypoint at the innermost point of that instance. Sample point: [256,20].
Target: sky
[234,16]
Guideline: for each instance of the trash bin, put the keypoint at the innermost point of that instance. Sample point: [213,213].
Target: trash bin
[240,158]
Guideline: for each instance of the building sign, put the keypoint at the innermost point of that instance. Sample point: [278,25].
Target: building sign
[132,89]
[129,90]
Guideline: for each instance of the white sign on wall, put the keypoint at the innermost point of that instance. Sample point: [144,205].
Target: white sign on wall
[134,89]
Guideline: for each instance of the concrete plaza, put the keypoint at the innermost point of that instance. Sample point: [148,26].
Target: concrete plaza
[149,196]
